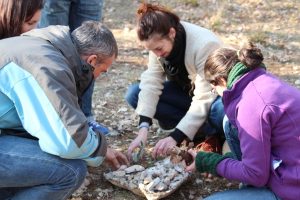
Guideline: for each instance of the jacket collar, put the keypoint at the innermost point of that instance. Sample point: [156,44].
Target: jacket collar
[238,87]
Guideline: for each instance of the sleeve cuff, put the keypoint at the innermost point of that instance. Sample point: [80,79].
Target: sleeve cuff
[178,136]
[102,147]
[208,161]
[145,119]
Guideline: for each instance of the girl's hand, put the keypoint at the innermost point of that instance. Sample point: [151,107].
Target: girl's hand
[192,167]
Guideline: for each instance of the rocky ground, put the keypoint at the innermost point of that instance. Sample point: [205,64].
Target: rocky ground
[272,24]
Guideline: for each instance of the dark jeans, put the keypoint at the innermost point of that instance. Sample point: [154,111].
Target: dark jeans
[173,105]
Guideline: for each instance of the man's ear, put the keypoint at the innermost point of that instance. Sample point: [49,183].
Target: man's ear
[92,60]
[172,33]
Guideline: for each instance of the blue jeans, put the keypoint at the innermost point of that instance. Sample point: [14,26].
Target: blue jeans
[231,136]
[28,173]
[70,12]
[246,193]
[173,105]
[86,104]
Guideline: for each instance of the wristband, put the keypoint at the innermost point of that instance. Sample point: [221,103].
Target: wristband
[144,125]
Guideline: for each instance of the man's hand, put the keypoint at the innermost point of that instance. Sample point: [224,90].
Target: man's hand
[192,167]
[163,146]
[141,138]
[115,158]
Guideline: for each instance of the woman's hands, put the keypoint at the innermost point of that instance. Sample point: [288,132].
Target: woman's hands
[141,138]
[163,146]
[192,167]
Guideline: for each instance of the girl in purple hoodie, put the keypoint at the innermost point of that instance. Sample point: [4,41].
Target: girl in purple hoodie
[261,128]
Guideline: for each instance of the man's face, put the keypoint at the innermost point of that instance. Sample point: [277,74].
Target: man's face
[102,66]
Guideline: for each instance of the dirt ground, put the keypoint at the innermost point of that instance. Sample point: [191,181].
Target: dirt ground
[274,25]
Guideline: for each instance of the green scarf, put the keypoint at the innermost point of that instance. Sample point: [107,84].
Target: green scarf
[238,70]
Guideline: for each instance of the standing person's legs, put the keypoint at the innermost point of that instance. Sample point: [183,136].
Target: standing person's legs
[231,135]
[247,193]
[55,13]
[84,10]
[28,173]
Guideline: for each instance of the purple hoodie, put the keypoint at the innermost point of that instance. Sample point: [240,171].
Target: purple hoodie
[266,112]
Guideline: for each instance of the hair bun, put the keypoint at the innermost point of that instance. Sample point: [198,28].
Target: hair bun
[250,55]
[146,7]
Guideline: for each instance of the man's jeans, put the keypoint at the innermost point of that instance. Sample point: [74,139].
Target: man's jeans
[246,193]
[173,105]
[70,13]
[28,173]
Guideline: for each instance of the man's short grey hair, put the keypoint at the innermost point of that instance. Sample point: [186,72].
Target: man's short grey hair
[93,37]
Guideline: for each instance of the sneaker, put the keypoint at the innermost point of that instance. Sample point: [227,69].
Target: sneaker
[99,127]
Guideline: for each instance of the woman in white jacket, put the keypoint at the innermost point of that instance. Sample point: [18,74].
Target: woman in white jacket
[173,89]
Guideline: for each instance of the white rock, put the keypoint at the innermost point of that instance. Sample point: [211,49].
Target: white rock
[147,180]
[134,168]
[174,184]
[119,173]
[297,82]
[167,180]
[161,187]
[172,174]
[178,168]
[199,181]
[151,185]
[178,177]
[122,167]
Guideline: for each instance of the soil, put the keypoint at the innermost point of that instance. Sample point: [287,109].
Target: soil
[271,24]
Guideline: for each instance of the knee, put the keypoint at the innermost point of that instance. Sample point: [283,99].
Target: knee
[132,94]
[217,107]
[75,173]
[229,130]
[81,171]
[216,114]
[226,126]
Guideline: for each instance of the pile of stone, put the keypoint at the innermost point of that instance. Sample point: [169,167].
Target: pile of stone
[155,182]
